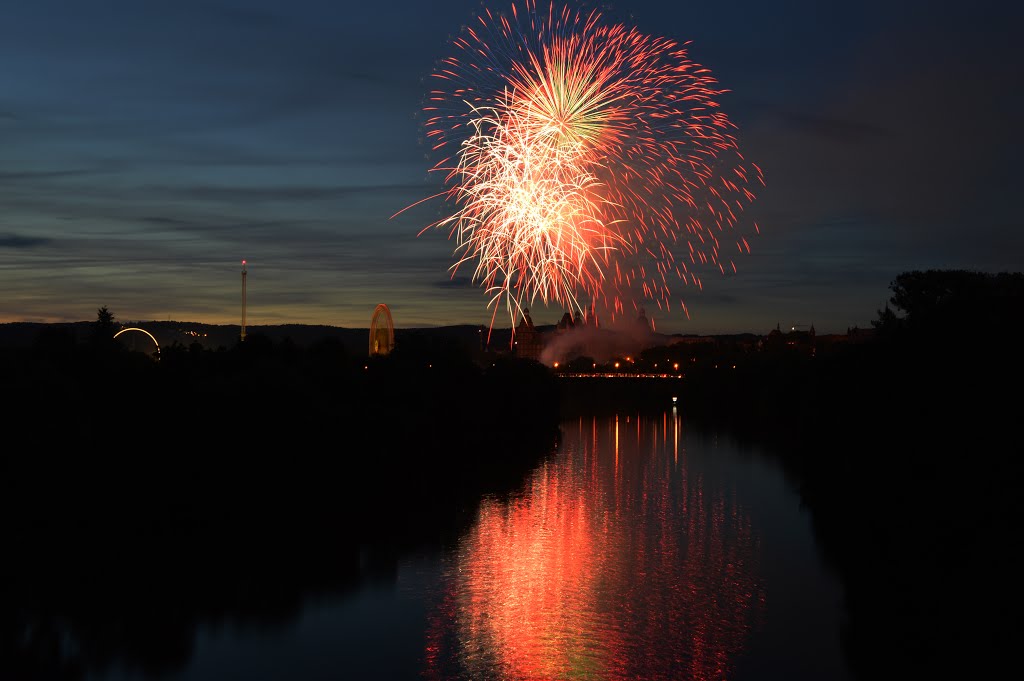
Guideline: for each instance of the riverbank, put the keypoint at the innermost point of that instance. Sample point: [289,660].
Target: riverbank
[140,499]
[906,456]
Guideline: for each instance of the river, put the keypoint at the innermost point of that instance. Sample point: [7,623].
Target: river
[643,548]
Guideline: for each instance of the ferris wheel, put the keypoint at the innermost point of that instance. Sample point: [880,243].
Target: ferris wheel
[382,331]
[135,341]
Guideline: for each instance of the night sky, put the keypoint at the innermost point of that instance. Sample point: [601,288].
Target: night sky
[146,148]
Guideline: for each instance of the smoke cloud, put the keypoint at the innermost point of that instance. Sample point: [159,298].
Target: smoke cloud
[602,344]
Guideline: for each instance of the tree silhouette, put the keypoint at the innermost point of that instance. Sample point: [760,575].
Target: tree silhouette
[888,322]
[104,328]
[954,302]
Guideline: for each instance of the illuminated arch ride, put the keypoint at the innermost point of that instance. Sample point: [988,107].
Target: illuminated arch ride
[131,346]
[382,331]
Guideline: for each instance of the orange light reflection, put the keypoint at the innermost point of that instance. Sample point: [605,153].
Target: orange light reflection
[615,563]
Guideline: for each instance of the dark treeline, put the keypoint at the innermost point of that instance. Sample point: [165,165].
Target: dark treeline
[907,453]
[907,450]
[141,497]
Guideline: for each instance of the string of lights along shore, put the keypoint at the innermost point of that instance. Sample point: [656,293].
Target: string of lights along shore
[584,163]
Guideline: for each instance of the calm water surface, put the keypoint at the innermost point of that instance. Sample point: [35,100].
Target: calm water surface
[642,550]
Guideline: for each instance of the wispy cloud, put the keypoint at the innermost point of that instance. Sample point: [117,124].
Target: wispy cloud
[21,241]
[458,282]
[278,193]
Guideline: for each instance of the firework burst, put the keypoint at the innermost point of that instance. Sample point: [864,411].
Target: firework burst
[584,160]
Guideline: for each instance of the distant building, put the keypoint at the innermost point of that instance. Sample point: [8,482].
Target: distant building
[588,318]
[858,335]
[642,323]
[527,339]
[794,339]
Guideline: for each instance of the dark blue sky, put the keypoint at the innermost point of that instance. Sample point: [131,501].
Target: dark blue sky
[147,148]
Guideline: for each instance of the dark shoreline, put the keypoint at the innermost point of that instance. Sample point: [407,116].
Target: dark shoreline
[905,453]
[261,462]
[141,498]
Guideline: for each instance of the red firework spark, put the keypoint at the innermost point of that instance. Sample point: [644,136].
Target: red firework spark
[584,160]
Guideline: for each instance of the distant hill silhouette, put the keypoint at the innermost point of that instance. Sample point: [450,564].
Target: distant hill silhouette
[470,337]
[214,336]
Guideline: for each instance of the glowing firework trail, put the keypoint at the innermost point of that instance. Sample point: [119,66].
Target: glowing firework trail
[584,159]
